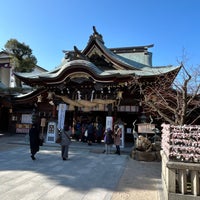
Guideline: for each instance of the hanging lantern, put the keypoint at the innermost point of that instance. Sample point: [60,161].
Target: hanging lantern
[119,94]
[51,103]
[39,98]
[50,95]
[119,97]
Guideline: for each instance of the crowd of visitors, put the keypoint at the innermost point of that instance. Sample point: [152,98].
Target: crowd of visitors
[89,132]
[86,132]
[96,133]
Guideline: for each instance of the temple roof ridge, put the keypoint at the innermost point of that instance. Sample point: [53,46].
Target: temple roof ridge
[147,71]
[96,35]
[131,48]
[119,59]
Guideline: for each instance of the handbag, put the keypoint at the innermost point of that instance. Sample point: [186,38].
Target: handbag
[68,137]
[58,140]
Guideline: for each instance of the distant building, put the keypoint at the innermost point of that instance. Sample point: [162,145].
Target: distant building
[6,75]
[8,87]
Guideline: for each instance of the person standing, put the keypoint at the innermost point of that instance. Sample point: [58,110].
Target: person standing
[108,139]
[34,137]
[65,142]
[77,130]
[90,133]
[99,132]
[84,132]
[117,136]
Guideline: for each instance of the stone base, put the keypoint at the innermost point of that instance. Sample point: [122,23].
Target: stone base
[146,156]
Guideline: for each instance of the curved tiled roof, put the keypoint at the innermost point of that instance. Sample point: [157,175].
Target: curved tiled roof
[122,67]
[146,71]
[83,63]
[69,69]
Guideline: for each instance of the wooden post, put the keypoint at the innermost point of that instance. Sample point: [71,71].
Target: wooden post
[195,183]
[171,180]
[182,181]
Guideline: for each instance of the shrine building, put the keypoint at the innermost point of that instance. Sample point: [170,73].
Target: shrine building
[94,83]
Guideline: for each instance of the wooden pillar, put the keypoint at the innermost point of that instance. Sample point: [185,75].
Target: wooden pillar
[109,106]
[182,181]
[195,183]
[171,180]
[53,111]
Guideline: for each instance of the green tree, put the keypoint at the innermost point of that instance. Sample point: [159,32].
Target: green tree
[22,58]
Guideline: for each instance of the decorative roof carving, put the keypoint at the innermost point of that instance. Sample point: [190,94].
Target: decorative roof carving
[96,35]
[78,54]
[75,55]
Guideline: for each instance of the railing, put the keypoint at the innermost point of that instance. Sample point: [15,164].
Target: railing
[181,181]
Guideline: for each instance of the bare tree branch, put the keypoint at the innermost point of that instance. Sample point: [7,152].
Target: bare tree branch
[175,103]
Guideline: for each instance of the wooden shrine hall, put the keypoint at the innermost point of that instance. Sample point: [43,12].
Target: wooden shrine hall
[94,82]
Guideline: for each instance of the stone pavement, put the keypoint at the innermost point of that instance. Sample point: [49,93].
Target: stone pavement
[88,174]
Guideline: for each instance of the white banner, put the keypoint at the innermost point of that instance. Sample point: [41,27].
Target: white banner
[122,136]
[61,115]
[109,122]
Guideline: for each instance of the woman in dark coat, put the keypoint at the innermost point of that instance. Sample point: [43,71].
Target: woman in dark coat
[34,140]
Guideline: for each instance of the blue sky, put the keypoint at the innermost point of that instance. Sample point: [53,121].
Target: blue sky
[51,26]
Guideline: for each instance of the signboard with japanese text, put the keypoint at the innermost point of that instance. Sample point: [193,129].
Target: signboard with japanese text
[51,132]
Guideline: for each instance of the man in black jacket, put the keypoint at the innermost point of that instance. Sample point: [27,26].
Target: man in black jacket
[34,140]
